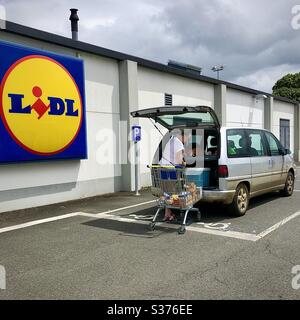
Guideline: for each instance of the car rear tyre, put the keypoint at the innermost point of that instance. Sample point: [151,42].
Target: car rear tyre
[240,202]
[289,185]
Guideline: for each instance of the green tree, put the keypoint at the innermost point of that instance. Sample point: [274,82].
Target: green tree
[288,87]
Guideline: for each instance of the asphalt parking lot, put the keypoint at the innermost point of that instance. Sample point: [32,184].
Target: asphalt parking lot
[100,248]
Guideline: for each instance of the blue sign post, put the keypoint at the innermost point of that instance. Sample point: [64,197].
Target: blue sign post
[136,137]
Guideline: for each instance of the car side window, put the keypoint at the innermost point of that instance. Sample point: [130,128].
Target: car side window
[237,145]
[257,146]
[212,145]
[273,144]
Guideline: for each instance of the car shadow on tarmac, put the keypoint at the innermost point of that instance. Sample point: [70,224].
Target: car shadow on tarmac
[264,199]
[216,212]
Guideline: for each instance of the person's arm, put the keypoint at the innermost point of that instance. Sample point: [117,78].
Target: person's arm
[179,157]
[178,151]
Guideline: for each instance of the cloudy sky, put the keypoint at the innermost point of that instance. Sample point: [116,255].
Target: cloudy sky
[254,39]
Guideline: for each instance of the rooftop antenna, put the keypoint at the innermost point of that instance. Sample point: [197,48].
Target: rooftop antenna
[218,69]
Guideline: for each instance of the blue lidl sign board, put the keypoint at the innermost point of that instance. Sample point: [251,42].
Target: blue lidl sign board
[42,105]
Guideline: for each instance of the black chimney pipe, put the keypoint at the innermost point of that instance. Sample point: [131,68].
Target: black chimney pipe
[74,23]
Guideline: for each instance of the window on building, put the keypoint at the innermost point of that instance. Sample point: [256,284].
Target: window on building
[168,99]
[285,133]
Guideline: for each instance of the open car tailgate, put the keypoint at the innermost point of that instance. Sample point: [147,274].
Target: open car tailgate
[180,116]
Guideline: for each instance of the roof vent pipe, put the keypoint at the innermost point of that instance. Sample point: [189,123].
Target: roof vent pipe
[74,23]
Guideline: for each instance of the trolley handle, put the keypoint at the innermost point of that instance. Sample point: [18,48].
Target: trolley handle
[177,166]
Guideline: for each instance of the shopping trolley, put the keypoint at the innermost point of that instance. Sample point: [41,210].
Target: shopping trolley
[174,190]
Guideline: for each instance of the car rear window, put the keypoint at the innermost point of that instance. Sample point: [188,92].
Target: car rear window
[187,119]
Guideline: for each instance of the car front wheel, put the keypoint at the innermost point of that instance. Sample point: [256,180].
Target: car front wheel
[289,185]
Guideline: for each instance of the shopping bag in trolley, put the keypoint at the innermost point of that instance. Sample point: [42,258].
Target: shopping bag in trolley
[170,185]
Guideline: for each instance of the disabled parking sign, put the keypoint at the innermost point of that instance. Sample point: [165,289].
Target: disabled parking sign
[136,133]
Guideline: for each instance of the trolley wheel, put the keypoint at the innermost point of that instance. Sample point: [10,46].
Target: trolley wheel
[198,216]
[151,226]
[181,230]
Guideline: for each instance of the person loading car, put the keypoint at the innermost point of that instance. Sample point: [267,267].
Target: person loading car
[173,154]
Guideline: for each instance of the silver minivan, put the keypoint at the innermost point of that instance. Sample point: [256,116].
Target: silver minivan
[243,162]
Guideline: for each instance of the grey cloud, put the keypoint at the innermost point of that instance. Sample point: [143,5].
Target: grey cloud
[249,37]
[230,25]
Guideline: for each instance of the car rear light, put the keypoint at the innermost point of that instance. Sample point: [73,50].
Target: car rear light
[223,171]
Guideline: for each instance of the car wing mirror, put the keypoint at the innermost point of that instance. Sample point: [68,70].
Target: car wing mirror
[287,151]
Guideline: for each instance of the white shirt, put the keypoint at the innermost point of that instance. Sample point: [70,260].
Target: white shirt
[173,146]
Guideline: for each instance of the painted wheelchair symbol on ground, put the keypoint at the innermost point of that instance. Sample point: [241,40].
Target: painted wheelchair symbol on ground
[252,227]
[213,226]
[141,217]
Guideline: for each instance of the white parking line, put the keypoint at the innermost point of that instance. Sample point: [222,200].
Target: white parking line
[33,223]
[122,219]
[278,225]
[69,215]
[229,234]
[124,208]
[108,215]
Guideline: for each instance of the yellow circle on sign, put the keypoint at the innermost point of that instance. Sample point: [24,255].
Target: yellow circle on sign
[37,78]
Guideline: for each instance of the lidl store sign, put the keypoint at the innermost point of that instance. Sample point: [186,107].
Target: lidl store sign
[41,105]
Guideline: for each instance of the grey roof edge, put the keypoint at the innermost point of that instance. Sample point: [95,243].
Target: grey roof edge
[15,28]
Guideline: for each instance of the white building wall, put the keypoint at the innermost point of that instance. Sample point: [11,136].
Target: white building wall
[152,86]
[243,109]
[283,110]
[31,184]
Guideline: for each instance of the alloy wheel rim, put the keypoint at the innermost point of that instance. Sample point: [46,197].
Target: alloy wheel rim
[290,184]
[242,200]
